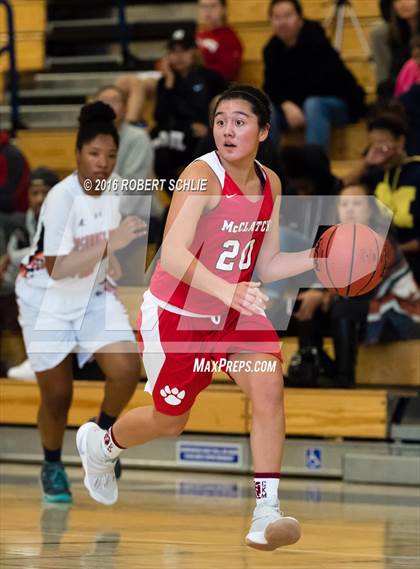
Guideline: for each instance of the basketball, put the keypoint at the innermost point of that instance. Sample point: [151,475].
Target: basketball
[350,258]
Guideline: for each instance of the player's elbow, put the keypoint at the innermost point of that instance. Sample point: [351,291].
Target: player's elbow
[263,274]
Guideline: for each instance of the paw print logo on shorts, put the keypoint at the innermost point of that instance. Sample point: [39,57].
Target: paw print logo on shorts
[172,396]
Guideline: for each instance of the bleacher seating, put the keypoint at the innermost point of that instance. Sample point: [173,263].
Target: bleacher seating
[225,409]
[58,148]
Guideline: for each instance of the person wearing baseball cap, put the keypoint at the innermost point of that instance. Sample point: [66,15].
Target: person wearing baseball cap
[184,93]
[183,39]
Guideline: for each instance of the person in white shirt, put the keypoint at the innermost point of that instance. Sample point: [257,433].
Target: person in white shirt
[65,292]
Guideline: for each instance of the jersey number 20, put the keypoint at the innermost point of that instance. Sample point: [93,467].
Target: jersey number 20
[231,248]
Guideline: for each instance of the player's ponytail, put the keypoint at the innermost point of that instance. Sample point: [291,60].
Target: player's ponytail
[94,119]
[258,100]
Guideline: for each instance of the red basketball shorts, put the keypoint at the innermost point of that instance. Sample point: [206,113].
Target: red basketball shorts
[178,349]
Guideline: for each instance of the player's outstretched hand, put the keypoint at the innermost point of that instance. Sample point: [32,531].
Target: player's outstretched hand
[248,298]
[131,228]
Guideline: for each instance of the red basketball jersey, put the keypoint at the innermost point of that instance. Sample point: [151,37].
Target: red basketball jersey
[227,241]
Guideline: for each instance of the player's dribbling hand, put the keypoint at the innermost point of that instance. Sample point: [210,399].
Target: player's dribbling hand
[131,228]
[247,298]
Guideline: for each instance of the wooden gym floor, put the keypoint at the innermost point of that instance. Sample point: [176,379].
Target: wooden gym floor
[168,520]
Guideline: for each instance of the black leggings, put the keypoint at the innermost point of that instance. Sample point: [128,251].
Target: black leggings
[344,321]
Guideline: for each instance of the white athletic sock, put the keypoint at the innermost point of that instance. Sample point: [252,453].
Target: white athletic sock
[110,447]
[267,488]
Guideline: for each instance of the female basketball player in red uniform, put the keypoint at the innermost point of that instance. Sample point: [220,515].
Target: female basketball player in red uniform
[203,306]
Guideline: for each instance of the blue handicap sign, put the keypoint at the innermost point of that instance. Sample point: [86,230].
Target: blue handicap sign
[313,458]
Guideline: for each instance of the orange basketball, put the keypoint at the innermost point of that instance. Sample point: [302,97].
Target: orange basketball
[350,258]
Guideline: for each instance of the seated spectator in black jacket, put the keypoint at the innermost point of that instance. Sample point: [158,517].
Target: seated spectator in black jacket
[305,78]
[184,94]
[411,102]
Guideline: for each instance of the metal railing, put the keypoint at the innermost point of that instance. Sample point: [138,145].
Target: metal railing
[123,30]
[13,79]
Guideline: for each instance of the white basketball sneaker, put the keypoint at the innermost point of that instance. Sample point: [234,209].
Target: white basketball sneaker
[99,470]
[22,371]
[270,529]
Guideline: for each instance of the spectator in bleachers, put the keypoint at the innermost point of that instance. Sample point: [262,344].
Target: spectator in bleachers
[219,45]
[14,177]
[184,94]
[411,103]
[135,157]
[404,24]
[219,49]
[135,152]
[135,161]
[394,178]
[41,181]
[391,42]
[308,83]
[14,183]
[408,91]
[307,172]
[394,305]
[379,43]
[409,74]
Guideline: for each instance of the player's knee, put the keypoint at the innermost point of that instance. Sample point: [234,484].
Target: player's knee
[174,430]
[57,401]
[126,370]
[268,396]
[174,426]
